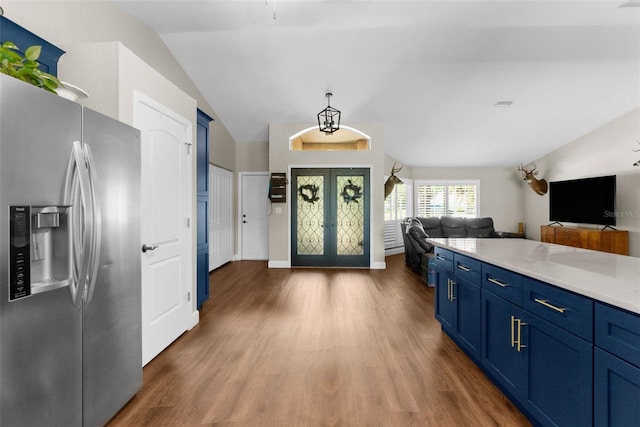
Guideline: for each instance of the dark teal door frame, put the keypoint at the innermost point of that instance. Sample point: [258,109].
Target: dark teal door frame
[330,217]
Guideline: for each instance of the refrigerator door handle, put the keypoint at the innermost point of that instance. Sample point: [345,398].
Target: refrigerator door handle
[76,194]
[96,232]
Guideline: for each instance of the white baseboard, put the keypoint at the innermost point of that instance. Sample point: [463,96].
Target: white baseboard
[279,264]
[379,266]
[194,320]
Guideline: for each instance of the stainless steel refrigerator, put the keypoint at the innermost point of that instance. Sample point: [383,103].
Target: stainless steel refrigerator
[70,292]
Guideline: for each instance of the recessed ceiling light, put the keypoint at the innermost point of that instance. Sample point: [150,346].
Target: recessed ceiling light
[631,4]
[503,104]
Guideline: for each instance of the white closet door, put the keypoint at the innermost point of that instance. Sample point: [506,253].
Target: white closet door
[220,217]
[254,224]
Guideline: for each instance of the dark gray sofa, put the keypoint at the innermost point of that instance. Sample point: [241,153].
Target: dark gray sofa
[416,230]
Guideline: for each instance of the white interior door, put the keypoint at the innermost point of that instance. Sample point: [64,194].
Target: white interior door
[254,217]
[166,212]
[220,217]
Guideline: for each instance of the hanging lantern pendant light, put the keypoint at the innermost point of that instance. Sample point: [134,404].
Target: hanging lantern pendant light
[329,118]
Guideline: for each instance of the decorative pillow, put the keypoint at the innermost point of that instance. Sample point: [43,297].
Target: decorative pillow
[418,235]
[414,227]
[417,232]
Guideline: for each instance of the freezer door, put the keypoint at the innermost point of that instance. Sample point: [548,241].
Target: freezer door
[112,344]
[40,335]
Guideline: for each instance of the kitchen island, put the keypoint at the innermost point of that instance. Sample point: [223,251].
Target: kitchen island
[556,328]
[610,278]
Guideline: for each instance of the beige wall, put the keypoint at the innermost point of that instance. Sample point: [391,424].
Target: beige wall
[282,160]
[501,191]
[606,150]
[122,73]
[252,157]
[222,147]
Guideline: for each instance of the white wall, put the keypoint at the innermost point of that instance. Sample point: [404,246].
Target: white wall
[606,150]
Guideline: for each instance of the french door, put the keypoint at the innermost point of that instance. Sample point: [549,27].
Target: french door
[330,217]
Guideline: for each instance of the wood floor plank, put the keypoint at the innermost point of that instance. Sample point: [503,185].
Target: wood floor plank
[316,347]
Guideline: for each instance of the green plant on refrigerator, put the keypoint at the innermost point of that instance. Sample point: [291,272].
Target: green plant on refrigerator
[26,67]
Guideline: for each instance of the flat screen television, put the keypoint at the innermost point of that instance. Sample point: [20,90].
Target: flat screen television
[584,201]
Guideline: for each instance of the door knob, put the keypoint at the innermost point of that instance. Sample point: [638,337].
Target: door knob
[146,248]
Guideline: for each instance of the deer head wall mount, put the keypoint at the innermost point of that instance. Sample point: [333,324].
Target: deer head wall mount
[392,180]
[540,186]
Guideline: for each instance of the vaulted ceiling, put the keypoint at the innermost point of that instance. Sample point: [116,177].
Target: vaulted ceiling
[431,71]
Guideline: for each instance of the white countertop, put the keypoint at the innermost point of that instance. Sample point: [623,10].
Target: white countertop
[614,279]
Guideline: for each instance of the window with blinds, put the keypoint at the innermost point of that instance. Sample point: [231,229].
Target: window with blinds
[450,198]
[396,208]
[431,200]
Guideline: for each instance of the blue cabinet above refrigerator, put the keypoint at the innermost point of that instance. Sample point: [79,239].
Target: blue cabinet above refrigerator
[23,38]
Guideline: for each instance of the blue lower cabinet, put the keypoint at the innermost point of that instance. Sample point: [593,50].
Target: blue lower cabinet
[559,374]
[616,391]
[547,370]
[500,356]
[467,325]
[536,342]
[616,367]
[618,332]
[443,304]
[457,301]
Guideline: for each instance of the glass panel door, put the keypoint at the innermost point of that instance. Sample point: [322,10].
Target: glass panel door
[310,213]
[330,217]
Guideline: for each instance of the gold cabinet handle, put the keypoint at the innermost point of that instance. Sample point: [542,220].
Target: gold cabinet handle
[519,342]
[548,305]
[463,268]
[497,282]
[450,295]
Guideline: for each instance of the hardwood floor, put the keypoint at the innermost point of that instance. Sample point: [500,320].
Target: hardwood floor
[317,347]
